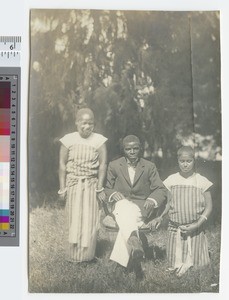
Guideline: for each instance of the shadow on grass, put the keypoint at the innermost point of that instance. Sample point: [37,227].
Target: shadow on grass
[102,248]
[155,253]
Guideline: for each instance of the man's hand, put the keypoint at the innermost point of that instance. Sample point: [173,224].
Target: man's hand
[149,204]
[117,196]
[155,223]
[149,207]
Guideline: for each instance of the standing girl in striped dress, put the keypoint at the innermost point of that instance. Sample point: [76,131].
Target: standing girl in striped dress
[82,170]
[189,206]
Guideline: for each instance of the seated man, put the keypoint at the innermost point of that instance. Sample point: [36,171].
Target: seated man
[135,188]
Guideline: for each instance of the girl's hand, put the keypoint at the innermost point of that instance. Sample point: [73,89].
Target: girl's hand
[62,198]
[188,229]
[101,196]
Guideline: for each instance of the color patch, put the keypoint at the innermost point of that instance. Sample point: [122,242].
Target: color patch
[5,148]
[4,121]
[4,219]
[4,226]
[4,188]
[4,212]
[4,94]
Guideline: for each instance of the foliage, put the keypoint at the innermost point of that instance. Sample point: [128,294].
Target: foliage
[153,74]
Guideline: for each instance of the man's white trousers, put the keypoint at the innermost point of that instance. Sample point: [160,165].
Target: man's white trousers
[129,218]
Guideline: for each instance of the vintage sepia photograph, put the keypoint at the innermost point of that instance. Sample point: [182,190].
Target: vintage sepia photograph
[124,151]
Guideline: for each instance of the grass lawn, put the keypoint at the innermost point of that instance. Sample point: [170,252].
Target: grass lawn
[49,272]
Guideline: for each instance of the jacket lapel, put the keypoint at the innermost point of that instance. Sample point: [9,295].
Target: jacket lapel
[139,170]
[124,170]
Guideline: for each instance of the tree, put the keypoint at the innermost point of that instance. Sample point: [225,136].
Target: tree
[153,74]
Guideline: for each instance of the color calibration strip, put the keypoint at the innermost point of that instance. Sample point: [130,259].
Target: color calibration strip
[9,155]
[10,50]
[4,155]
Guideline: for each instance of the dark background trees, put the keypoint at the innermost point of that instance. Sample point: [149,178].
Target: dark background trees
[153,74]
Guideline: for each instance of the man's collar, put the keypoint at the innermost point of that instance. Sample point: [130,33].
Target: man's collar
[132,164]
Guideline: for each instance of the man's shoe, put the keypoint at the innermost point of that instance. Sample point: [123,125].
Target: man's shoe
[110,223]
[137,255]
[135,244]
[138,270]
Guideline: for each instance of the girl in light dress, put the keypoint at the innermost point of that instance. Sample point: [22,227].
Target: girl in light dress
[189,206]
[82,170]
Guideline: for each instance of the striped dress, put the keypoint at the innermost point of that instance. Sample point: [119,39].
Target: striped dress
[82,209]
[187,204]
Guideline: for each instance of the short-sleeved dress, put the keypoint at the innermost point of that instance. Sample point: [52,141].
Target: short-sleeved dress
[82,209]
[187,204]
